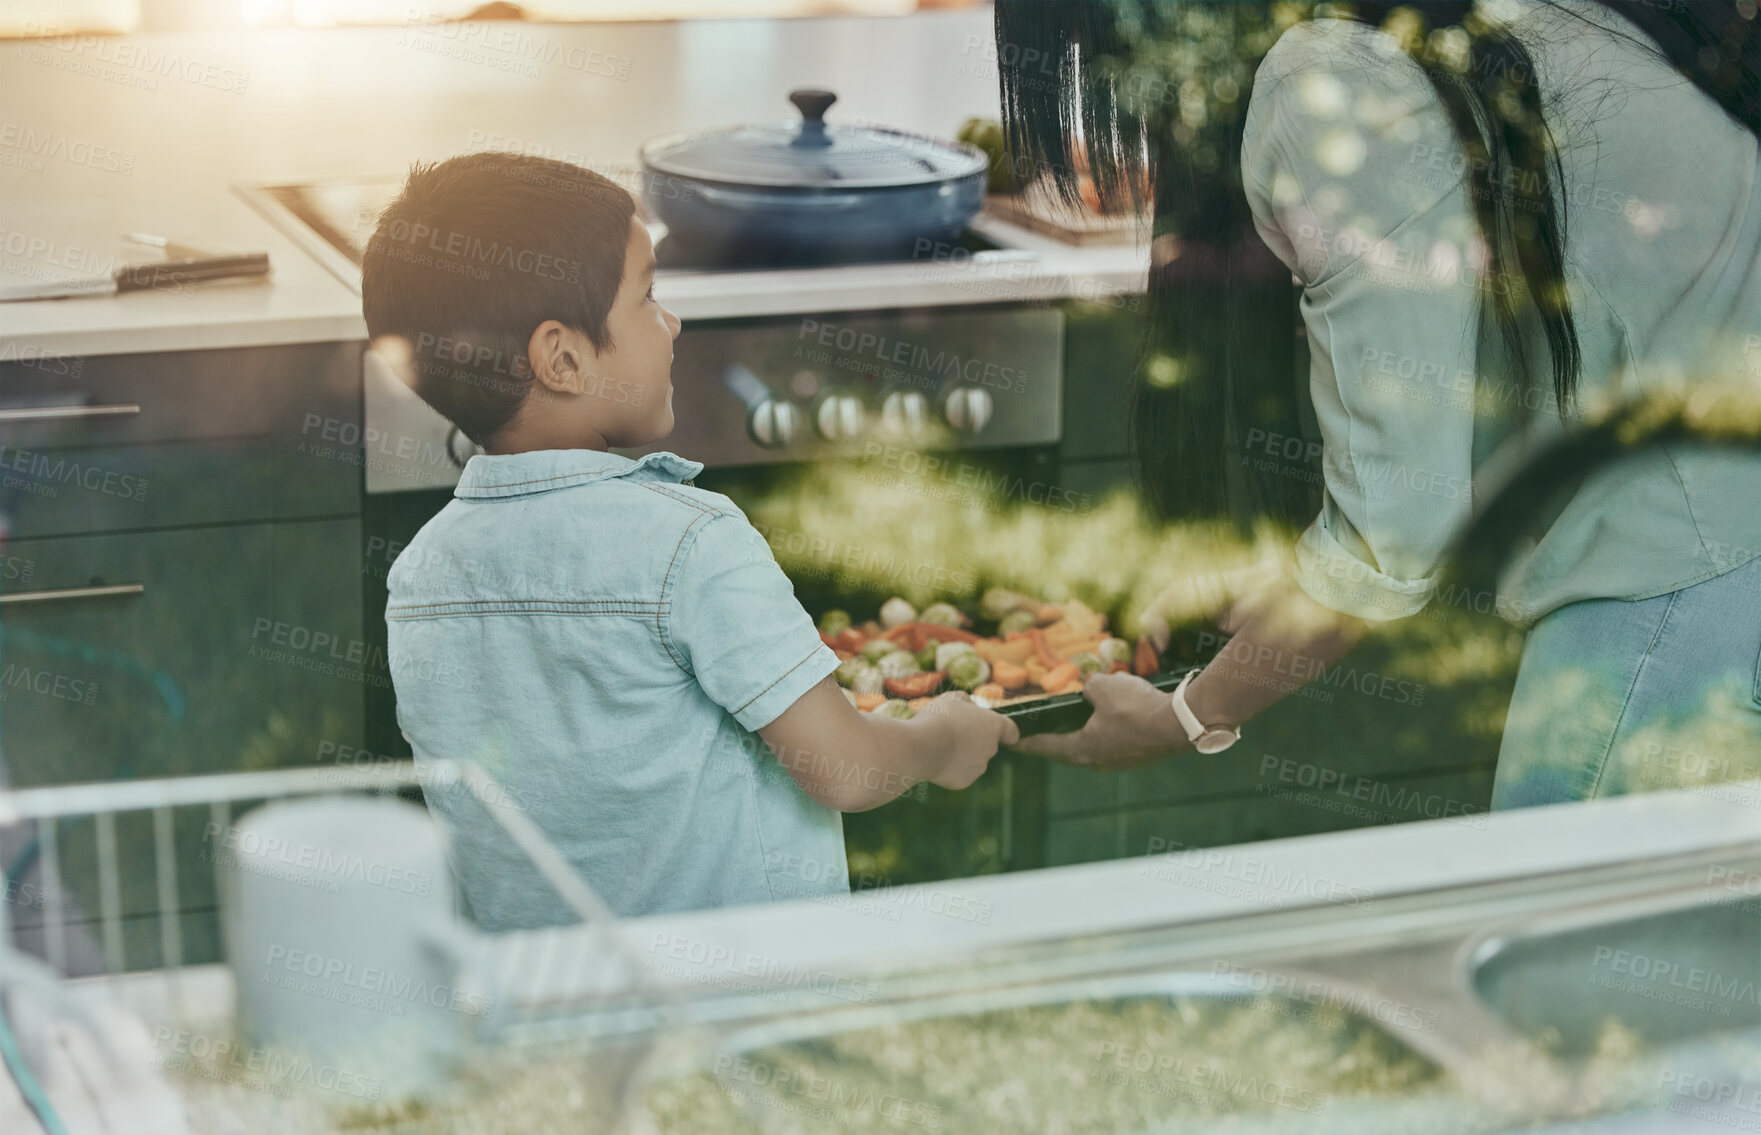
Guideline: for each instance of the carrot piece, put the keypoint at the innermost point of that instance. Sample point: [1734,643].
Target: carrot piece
[1145,663]
[1008,674]
[1068,688]
[1060,675]
[919,703]
[1118,668]
[917,685]
[1040,647]
[946,634]
[990,692]
[866,702]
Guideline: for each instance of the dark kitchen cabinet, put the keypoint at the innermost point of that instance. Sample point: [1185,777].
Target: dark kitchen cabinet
[242,650]
[120,442]
[180,594]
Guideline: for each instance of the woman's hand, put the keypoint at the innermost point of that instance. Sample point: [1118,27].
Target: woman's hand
[1133,725]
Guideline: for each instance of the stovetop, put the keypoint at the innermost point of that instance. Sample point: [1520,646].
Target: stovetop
[341,214]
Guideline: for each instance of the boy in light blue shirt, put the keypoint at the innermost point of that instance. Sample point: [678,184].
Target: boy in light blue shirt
[618,647]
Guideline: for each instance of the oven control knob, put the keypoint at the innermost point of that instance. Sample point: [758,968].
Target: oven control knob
[774,423]
[968,408]
[905,412]
[839,417]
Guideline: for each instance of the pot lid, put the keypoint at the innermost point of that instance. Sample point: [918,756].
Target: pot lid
[812,154]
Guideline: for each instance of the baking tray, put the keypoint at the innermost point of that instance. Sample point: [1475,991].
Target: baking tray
[1066,713]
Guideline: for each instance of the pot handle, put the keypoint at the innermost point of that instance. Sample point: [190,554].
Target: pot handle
[812,104]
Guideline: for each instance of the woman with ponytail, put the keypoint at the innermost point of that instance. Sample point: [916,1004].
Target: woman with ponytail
[1494,221]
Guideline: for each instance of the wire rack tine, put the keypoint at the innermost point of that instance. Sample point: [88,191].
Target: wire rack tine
[109,890]
[54,909]
[170,917]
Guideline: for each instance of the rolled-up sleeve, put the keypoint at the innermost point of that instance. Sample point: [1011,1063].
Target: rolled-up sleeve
[1354,177]
[736,624]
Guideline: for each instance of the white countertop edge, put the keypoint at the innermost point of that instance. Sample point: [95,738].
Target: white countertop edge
[937,921]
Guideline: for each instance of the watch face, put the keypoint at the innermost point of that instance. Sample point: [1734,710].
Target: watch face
[1215,740]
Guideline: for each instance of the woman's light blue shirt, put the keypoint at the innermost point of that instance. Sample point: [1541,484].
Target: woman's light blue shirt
[1356,182]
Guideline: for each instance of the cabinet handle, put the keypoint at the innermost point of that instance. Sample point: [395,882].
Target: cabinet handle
[66,413]
[61,594]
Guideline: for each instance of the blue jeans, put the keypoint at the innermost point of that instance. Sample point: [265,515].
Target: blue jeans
[1617,696]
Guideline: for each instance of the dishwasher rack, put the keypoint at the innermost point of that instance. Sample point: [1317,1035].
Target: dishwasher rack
[37,817]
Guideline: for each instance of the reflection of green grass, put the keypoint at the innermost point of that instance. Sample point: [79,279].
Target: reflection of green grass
[926,538]
[851,539]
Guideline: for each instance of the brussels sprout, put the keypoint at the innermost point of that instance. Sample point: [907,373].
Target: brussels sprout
[1088,663]
[1016,621]
[834,622]
[987,135]
[898,664]
[948,650]
[861,676]
[968,671]
[999,601]
[896,612]
[893,707]
[878,649]
[926,657]
[1114,650]
[944,614]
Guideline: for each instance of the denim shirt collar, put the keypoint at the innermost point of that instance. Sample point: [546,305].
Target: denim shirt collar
[541,470]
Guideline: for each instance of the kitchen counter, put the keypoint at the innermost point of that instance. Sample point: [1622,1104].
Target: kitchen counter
[150,133]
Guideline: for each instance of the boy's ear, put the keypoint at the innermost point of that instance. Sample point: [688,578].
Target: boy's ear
[555,357]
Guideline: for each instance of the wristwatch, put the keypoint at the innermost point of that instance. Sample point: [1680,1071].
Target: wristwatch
[1207,741]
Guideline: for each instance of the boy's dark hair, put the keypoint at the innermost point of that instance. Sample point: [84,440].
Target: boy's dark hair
[477,251]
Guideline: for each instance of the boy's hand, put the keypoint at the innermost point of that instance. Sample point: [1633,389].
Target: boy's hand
[971,738]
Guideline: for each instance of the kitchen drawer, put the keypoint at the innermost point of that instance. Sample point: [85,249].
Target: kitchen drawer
[141,441]
[118,488]
[243,649]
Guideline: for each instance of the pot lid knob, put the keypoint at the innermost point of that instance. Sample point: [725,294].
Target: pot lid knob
[812,104]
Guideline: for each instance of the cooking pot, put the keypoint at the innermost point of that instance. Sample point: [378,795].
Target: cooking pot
[808,192]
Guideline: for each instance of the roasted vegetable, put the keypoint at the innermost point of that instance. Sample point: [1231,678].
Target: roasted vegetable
[897,664]
[834,622]
[878,649]
[1087,663]
[1009,675]
[859,675]
[866,702]
[1145,663]
[1057,677]
[968,671]
[942,614]
[1113,650]
[917,685]
[948,651]
[1018,620]
[893,707]
[896,612]
[999,601]
[926,657]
